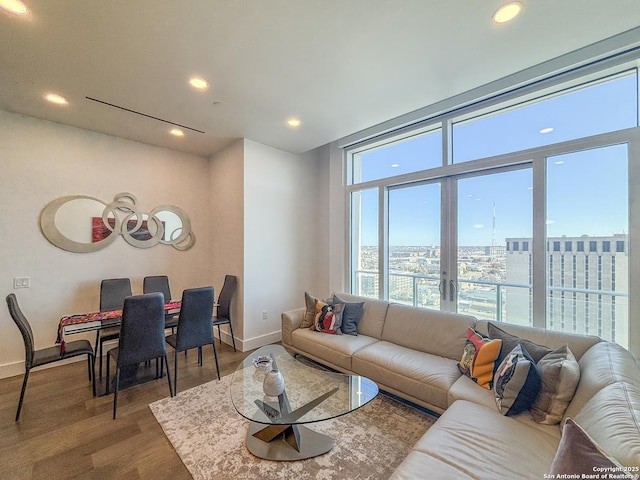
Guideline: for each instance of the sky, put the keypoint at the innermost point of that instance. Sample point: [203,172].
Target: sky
[587,191]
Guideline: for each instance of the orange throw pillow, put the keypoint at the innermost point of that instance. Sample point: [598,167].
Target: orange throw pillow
[479,357]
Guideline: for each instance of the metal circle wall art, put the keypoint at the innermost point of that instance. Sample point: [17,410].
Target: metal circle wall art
[83,224]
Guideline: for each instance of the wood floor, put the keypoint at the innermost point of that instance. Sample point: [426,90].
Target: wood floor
[64,432]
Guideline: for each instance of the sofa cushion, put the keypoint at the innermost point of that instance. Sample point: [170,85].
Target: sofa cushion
[422,329]
[578,454]
[612,418]
[351,315]
[330,349]
[509,342]
[560,375]
[603,364]
[553,339]
[466,389]
[478,358]
[373,315]
[471,441]
[517,382]
[424,376]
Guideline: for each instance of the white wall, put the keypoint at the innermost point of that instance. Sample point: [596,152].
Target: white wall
[226,213]
[42,161]
[285,224]
[259,213]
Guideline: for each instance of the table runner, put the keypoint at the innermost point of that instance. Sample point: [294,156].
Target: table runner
[96,317]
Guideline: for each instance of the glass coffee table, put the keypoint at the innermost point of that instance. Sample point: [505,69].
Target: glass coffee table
[276,430]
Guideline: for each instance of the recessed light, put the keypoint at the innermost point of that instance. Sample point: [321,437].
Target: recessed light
[14,6]
[507,12]
[176,132]
[294,122]
[199,83]
[546,130]
[55,98]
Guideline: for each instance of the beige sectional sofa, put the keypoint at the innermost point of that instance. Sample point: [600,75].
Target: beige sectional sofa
[413,353]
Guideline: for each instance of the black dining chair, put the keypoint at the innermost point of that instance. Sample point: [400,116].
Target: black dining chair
[113,291]
[160,283]
[194,327]
[35,358]
[141,338]
[223,310]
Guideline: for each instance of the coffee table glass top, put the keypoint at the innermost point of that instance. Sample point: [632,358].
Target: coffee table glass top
[311,394]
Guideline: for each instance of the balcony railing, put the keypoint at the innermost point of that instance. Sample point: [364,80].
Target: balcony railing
[596,312]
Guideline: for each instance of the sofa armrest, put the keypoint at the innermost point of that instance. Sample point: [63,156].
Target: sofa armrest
[291,321]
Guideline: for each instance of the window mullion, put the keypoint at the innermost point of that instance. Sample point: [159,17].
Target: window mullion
[539,247]
[383,236]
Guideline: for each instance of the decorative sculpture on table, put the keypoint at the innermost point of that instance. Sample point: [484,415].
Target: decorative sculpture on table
[166,224]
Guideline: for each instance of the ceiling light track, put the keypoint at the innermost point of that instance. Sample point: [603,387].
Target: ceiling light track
[143,114]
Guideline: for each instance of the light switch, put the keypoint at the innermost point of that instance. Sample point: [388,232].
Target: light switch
[21,282]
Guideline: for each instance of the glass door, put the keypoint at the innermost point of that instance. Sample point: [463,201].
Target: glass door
[494,229]
[414,252]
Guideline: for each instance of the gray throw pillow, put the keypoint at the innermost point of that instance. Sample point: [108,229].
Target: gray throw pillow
[560,374]
[310,313]
[351,315]
[509,342]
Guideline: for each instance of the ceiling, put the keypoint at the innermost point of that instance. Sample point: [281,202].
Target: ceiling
[340,66]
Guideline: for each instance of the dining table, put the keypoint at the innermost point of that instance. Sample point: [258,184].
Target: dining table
[92,321]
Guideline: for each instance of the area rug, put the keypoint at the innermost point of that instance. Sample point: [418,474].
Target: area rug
[209,436]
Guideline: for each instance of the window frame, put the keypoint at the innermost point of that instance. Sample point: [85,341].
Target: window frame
[536,157]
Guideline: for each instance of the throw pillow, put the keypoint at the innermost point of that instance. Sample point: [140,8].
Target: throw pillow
[509,342]
[351,315]
[517,382]
[328,318]
[478,358]
[560,374]
[310,313]
[578,456]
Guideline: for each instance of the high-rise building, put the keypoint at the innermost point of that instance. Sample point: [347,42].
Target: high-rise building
[587,284]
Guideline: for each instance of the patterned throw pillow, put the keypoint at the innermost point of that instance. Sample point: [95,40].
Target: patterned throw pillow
[517,382]
[560,374]
[578,456]
[478,358]
[351,315]
[328,318]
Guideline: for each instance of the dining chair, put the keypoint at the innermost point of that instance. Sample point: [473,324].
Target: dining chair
[223,310]
[35,358]
[141,338]
[194,327]
[160,283]
[113,291]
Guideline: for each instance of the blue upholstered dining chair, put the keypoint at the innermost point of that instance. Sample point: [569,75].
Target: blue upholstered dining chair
[160,283]
[141,338]
[223,309]
[194,326]
[113,291]
[35,358]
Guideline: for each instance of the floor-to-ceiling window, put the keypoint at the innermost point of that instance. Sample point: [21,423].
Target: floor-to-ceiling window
[515,209]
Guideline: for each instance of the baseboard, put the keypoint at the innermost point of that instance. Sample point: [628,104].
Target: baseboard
[257,342]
